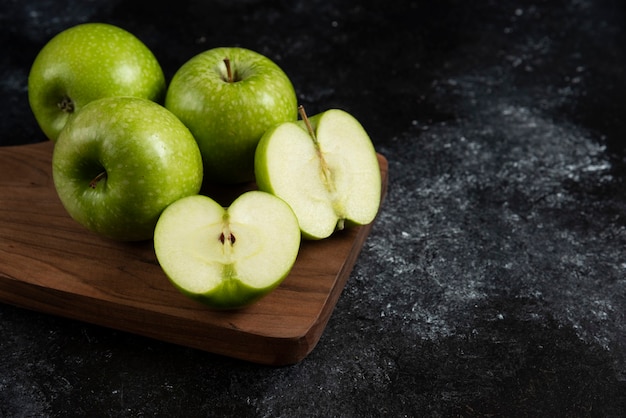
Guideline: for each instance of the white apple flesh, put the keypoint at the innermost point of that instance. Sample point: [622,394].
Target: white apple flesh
[227,257]
[326,169]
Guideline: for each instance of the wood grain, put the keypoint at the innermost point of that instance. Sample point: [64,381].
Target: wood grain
[51,264]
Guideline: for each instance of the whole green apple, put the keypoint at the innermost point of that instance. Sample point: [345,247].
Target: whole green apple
[88,62]
[325,167]
[227,257]
[228,97]
[120,161]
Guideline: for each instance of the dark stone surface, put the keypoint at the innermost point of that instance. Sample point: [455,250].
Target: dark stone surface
[494,281]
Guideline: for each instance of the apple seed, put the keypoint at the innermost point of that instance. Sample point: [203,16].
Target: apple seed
[66,105]
[230,238]
[306,121]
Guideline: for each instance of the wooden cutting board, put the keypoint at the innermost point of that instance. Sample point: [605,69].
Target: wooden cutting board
[51,264]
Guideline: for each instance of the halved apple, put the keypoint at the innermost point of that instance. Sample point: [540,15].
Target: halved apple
[227,257]
[325,167]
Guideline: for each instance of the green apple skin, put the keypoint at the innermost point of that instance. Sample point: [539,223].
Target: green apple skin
[88,62]
[193,245]
[150,159]
[330,183]
[228,118]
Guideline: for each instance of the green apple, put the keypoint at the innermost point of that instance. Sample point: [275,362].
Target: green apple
[228,97]
[120,161]
[227,257]
[88,62]
[325,168]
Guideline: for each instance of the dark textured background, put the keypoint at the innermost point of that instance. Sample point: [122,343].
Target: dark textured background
[494,280]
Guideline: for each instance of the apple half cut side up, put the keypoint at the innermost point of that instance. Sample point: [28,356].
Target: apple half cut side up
[229,257]
[325,167]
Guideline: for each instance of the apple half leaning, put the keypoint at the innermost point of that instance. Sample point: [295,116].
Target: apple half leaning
[325,167]
[227,258]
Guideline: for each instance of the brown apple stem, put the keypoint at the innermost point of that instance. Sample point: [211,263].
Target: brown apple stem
[93,183]
[229,71]
[307,123]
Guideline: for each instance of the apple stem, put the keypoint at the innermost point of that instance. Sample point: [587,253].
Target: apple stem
[325,169]
[307,123]
[93,183]
[229,71]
